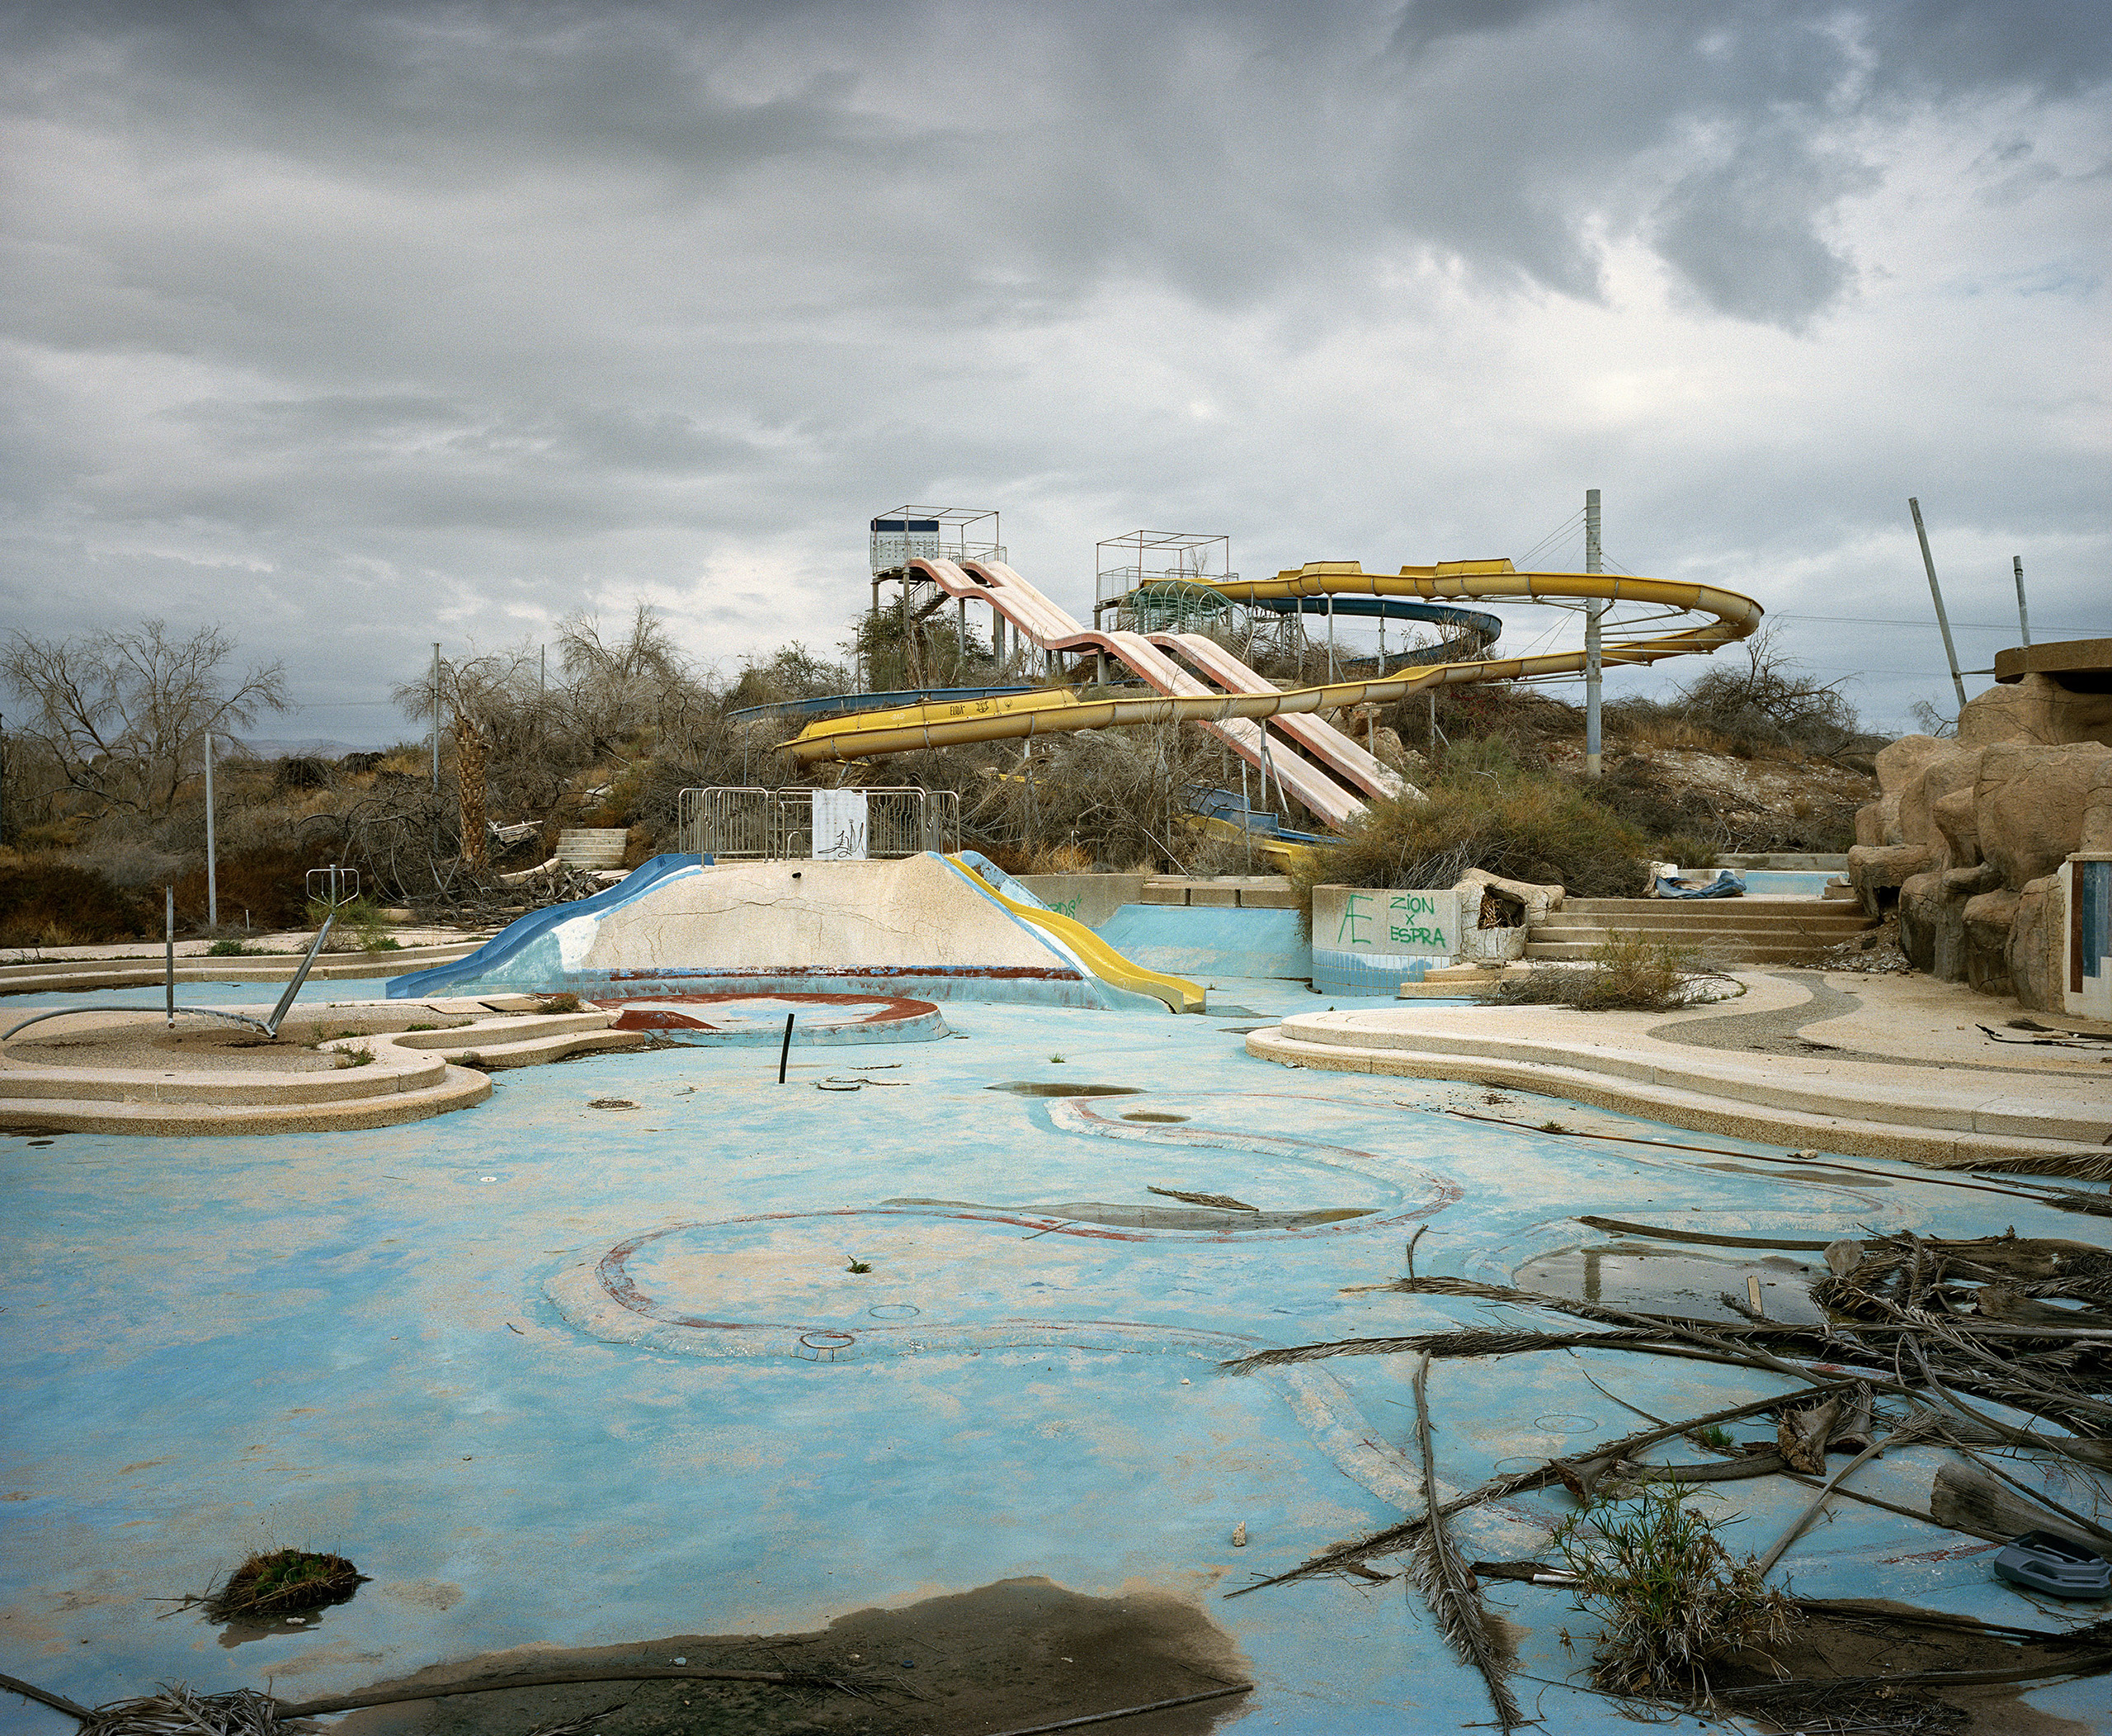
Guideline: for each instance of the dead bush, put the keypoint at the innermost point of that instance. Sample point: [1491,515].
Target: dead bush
[1624,974]
[1484,814]
[49,903]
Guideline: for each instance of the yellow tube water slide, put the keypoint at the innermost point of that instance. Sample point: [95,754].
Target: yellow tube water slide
[1103,960]
[871,734]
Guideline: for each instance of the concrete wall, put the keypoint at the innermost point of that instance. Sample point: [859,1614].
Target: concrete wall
[1208,945]
[1369,940]
[1222,892]
[1089,899]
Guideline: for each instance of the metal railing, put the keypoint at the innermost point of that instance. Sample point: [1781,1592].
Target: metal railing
[734,823]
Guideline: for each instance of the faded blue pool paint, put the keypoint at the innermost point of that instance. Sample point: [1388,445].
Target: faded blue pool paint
[524,954]
[351,1340]
[1782,883]
[1208,945]
[526,958]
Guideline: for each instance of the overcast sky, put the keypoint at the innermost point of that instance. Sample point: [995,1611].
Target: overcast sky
[354,326]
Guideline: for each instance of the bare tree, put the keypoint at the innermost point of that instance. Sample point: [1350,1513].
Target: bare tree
[123,715]
[1771,700]
[619,685]
[480,694]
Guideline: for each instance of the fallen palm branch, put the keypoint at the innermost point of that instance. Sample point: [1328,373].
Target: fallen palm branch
[2085,1168]
[1578,1471]
[1447,1584]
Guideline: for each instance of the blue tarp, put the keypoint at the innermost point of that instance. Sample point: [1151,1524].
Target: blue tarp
[1728,884]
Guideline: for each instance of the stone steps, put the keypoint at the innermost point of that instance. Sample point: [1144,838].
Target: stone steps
[1755,931]
[593,847]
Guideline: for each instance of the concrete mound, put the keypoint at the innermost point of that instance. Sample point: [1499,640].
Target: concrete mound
[915,926]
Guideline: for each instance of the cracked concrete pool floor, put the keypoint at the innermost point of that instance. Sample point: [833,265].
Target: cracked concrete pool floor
[558,1376]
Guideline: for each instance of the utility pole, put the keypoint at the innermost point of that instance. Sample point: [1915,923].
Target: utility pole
[1594,562]
[1943,620]
[436,717]
[212,862]
[2023,614]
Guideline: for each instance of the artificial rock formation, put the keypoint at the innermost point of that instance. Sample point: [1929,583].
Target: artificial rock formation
[1967,835]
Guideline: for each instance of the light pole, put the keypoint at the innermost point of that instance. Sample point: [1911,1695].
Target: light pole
[436,717]
[1596,607]
[212,855]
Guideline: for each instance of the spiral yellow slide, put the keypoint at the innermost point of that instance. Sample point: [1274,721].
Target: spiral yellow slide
[871,734]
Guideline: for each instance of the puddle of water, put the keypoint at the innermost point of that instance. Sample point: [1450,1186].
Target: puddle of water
[1674,1282]
[1049,1088]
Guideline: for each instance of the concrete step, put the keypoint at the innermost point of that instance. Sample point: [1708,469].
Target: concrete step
[1837,921]
[1698,909]
[593,847]
[1736,951]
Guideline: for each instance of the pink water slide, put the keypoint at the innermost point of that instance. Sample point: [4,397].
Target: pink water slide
[1325,788]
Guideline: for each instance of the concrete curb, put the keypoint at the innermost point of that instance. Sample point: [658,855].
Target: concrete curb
[413,1075]
[58,978]
[1723,1105]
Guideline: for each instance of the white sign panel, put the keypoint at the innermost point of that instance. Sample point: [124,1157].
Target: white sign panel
[840,830]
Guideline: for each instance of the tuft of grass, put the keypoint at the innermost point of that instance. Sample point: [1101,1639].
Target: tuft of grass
[1057,1059]
[356,1058]
[227,950]
[1625,973]
[1673,1602]
[558,1002]
[859,1265]
[275,1582]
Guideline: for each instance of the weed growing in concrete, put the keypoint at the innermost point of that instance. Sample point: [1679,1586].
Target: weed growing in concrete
[859,1265]
[273,1582]
[558,1002]
[356,1058]
[1626,974]
[1672,1600]
[362,918]
[227,950]
[1056,1060]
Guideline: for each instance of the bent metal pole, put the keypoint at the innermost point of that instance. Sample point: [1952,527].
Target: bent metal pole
[1936,590]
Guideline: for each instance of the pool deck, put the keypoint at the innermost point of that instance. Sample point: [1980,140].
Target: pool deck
[557,1375]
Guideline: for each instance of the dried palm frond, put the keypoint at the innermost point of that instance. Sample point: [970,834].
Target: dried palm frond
[179,1711]
[1447,1584]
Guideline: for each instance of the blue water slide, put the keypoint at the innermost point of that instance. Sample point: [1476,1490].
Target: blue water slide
[519,934]
[1229,806]
[830,704]
[1478,629]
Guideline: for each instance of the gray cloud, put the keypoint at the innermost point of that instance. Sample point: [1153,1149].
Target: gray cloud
[477,314]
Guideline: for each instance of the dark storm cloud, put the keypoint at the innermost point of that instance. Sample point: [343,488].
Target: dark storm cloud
[490,310]
[1221,148]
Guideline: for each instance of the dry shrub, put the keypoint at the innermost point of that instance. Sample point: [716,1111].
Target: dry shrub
[1673,1600]
[1625,973]
[58,904]
[270,882]
[1513,823]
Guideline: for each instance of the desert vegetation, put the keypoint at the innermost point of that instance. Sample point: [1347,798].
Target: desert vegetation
[102,802]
